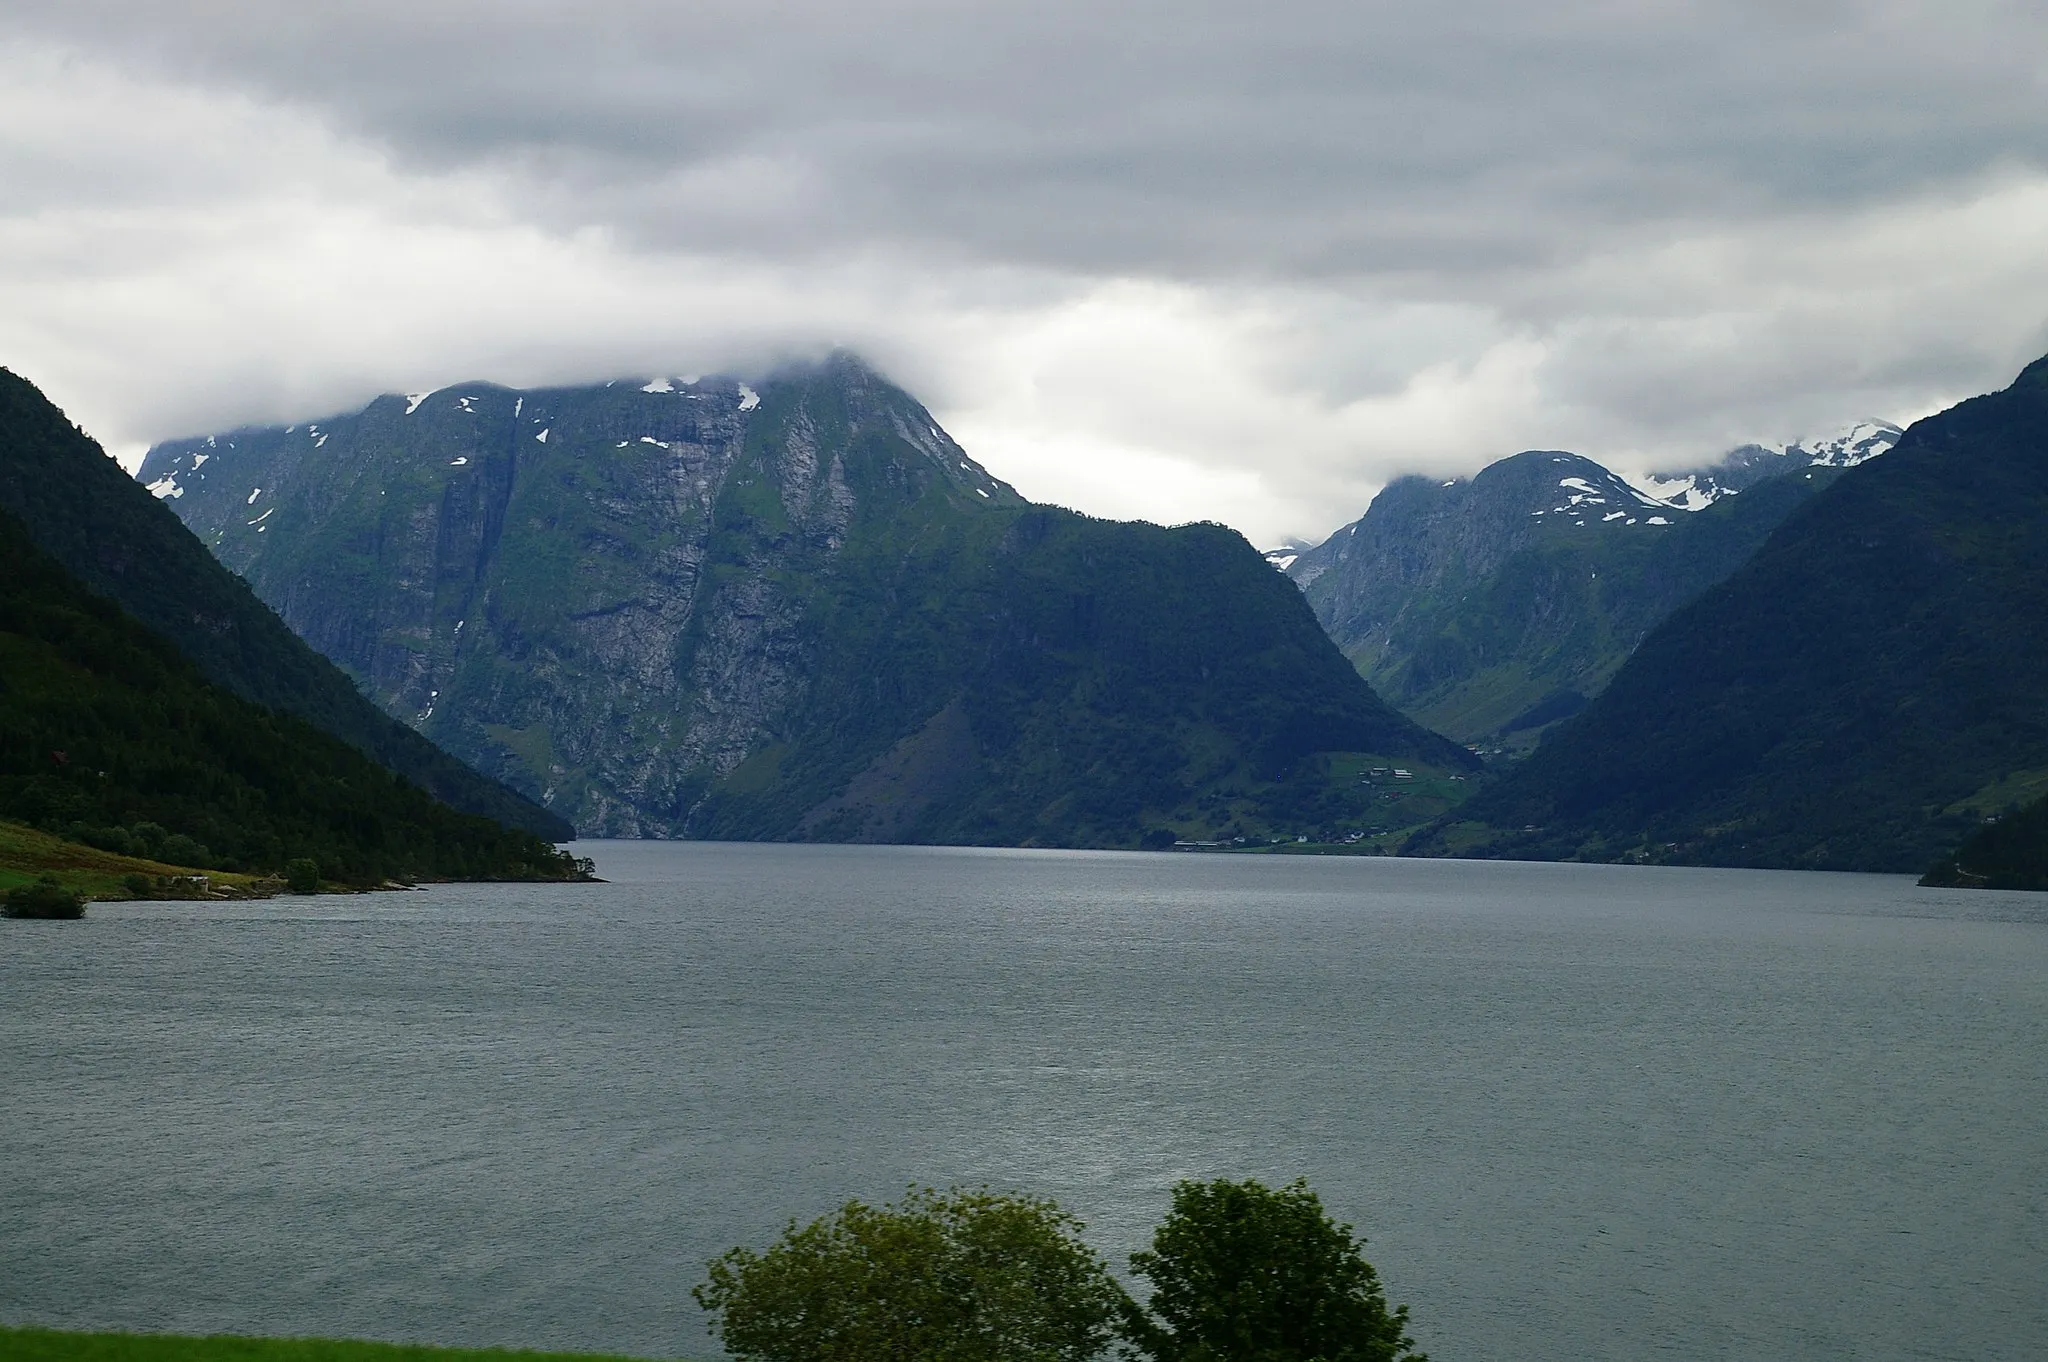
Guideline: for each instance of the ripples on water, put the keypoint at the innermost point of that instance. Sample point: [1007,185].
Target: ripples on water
[1581,1111]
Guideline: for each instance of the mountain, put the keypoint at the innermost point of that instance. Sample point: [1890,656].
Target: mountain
[109,736]
[2011,853]
[78,506]
[1492,607]
[1858,696]
[1747,465]
[688,608]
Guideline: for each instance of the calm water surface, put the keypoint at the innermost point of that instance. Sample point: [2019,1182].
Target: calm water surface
[1581,1111]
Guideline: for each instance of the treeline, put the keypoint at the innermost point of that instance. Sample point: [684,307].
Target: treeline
[110,737]
[1238,1272]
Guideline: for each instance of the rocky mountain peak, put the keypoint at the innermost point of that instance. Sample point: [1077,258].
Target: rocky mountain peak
[1418,528]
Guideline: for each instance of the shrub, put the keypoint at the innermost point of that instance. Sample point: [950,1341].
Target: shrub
[969,1276]
[44,899]
[138,885]
[302,875]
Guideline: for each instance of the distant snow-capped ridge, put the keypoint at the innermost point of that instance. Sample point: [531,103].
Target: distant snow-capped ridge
[1592,490]
[1747,465]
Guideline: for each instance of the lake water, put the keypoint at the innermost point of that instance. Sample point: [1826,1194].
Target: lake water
[1580,1111]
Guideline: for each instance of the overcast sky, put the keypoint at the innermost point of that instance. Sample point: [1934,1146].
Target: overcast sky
[1178,261]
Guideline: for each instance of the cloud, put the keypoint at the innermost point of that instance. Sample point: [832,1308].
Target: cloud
[1179,261]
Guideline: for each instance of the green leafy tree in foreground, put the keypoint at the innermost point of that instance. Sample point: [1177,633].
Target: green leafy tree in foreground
[1242,1272]
[963,1276]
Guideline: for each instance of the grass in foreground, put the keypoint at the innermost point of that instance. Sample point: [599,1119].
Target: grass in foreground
[58,1345]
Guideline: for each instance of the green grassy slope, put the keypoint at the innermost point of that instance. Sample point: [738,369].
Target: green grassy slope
[1847,699]
[55,1345]
[27,854]
[108,735]
[79,507]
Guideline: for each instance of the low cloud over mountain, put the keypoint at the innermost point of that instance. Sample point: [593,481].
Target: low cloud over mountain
[1175,261]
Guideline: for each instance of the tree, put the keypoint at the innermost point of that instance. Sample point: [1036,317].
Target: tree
[964,1276]
[178,849]
[302,875]
[44,899]
[1242,1272]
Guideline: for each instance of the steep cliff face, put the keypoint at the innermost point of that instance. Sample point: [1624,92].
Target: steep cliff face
[687,608]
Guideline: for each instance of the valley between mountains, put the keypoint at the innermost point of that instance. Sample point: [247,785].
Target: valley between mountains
[796,609]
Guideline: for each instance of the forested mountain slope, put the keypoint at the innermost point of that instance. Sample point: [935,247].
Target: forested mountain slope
[688,608]
[2011,853]
[1854,697]
[78,506]
[109,736]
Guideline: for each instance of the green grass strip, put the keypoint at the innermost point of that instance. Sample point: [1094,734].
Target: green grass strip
[60,1345]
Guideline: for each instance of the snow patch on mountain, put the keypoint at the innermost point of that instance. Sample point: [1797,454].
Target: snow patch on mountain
[1745,466]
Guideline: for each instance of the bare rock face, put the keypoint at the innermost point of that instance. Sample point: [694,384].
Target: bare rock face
[477,557]
[687,608]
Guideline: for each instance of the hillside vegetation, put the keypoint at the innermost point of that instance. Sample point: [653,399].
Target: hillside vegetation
[28,854]
[109,737]
[78,506]
[2011,853]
